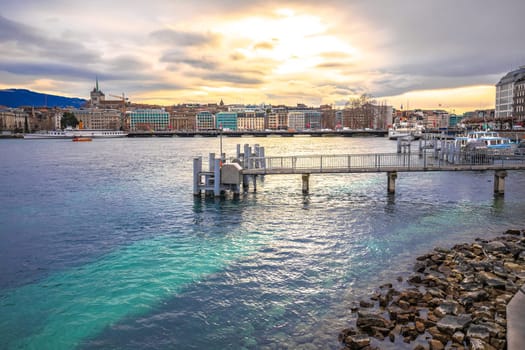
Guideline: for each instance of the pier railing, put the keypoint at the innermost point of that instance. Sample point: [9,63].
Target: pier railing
[223,175]
[378,162]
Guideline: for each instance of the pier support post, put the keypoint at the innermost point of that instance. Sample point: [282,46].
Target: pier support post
[197,168]
[245,183]
[217,178]
[211,160]
[499,181]
[306,185]
[246,156]
[391,185]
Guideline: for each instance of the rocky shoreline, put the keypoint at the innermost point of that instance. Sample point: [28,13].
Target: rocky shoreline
[455,299]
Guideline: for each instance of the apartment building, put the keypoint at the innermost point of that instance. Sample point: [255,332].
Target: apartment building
[505,90]
[99,119]
[204,120]
[149,120]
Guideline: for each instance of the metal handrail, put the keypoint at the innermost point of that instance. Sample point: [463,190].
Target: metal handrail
[382,162]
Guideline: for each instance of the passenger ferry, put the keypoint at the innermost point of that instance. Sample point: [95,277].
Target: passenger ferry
[96,133]
[59,134]
[70,133]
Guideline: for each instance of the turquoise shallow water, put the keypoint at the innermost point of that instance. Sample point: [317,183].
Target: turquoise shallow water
[103,245]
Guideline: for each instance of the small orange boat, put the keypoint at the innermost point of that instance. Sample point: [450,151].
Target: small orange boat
[81,139]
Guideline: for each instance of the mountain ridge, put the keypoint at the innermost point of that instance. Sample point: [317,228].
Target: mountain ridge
[22,97]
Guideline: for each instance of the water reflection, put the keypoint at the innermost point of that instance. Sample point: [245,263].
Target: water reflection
[498,203]
[390,203]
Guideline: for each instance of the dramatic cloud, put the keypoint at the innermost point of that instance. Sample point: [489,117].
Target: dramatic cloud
[252,51]
[232,78]
[177,38]
[31,41]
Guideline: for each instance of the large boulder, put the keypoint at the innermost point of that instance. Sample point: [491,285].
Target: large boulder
[451,324]
[366,321]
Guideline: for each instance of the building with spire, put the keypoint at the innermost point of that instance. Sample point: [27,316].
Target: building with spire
[97,96]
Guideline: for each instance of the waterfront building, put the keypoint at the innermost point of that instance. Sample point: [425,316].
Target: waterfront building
[182,121]
[182,116]
[454,120]
[13,119]
[44,118]
[327,117]
[277,119]
[149,120]
[271,121]
[97,96]
[338,122]
[204,120]
[98,100]
[296,120]
[483,119]
[435,118]
[313,119]
[226,120]
[519,103]
[99,119]
[251,120]
[505,94]
[301,120]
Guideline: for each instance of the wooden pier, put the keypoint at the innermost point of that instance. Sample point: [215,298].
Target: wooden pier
[237,173]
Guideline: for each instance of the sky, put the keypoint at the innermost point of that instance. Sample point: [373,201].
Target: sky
[445,54]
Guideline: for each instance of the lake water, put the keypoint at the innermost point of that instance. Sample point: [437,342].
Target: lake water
[103,246]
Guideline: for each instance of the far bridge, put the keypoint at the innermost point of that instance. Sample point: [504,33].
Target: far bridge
[253,163]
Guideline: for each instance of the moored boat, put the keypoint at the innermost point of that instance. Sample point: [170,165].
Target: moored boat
[94,133]
[70,133]
[81,139]
[55,134]
[405,129]
[491,139]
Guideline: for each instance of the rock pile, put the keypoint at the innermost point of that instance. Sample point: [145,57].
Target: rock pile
[455,299]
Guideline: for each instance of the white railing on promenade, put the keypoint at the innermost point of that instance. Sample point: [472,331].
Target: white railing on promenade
[377,163]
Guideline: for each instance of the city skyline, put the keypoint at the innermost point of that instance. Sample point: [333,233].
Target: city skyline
[414,54]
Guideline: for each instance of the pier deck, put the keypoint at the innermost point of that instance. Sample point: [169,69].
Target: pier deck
[380,162]
[222,175]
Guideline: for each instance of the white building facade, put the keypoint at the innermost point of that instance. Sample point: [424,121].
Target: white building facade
[505,93]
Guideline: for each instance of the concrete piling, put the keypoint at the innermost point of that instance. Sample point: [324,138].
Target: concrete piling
[306,185]
[391,185]
[499,182]
[197,168]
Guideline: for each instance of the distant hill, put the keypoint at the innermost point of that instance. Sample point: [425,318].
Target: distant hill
[22,97]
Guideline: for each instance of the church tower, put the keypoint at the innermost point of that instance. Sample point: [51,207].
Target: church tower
[97,96]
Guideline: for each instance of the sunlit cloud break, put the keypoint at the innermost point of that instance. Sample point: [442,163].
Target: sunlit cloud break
[169,52]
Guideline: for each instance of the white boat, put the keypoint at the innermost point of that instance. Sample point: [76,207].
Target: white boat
[404,130]
[93,133]
[58,134]
[474,135]
[70,133]
[499,143]
[490,138]
[461,141]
